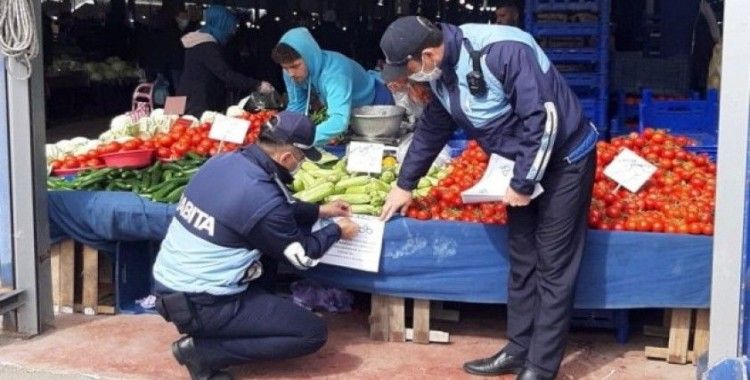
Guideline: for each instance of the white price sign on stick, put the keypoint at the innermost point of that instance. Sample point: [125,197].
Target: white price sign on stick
[361,253]
[229,129]
[630,170]
[364,157]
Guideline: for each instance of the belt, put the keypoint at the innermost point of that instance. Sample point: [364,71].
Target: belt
[585,147]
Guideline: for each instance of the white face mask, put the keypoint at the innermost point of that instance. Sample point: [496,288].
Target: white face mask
[182,23]
[422,76]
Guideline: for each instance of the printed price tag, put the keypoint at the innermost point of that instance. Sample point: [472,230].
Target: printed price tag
[364,157]
[229,129]
[630,170]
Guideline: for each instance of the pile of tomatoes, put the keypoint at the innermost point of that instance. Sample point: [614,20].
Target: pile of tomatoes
[444,200]
[180,140]
[679,197]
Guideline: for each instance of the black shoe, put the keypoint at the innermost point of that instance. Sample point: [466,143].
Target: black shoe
[499,364]
[184,351]
[532,374]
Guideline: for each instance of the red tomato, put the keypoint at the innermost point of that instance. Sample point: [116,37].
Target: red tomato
[112,147]
[163,152]
[56,164]
[165,141]
[94,162]
[148,144]
[130,145]
[203,151]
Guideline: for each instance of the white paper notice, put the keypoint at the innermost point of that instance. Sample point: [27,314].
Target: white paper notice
[361,253]
[494,182]
[630,170]
[365,157]
[229,129]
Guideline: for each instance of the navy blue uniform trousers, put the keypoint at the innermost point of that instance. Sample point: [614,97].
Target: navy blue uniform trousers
[253,325]
[546,241]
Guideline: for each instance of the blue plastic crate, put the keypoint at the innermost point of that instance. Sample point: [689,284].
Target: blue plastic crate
[566,29]
[337,150]
[565,5]
[457,147]
[710,151]
[696,118]
[583,79]
[575,54]
[617,320]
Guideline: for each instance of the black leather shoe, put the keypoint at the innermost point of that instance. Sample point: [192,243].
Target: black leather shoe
[499,364]
[184,351]
[532,374]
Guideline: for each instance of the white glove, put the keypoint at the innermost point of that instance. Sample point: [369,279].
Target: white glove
[266,88]
[295,253]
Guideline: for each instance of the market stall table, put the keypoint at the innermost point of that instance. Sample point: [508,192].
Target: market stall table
[430,260]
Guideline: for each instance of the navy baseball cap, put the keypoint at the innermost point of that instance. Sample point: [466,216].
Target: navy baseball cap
[402,39]
[295,129]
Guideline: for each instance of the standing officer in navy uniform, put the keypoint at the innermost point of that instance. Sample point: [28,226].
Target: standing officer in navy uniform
[235,209]
[497,84]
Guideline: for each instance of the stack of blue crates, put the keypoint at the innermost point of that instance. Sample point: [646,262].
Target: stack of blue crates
[695,118]
[585,63]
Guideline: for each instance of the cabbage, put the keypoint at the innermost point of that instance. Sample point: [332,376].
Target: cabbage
[65,146]
[78,141]
[106,136]
[235,111]
[124,139]
[52,152]
[208,117]
[157,112]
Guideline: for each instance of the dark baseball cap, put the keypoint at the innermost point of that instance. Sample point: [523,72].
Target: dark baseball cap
[294,129]
[402,39]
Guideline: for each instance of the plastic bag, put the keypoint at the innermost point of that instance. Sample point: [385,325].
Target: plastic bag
[443,157]
[312,295]
[258,101]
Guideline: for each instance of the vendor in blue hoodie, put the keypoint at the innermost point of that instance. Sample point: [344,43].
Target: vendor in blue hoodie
[339,82]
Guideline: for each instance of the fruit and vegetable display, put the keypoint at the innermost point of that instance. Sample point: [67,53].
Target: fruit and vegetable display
[162,182]
[170,138]
[678,198]
[111,70]
[328,180]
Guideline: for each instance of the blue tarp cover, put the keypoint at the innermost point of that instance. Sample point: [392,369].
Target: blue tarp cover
[440,260]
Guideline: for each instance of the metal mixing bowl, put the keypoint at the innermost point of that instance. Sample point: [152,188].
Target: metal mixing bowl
[377,121]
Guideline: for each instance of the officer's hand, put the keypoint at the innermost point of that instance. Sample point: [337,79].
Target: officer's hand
[349,229]
[397,200]
[334,209]
[515,199]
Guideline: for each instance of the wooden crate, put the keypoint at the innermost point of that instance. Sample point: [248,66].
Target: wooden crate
[82,279]
[388,321]
[682,327]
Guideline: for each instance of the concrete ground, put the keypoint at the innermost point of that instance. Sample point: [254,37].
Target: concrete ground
[137,347]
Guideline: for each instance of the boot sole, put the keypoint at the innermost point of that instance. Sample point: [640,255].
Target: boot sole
[514,371]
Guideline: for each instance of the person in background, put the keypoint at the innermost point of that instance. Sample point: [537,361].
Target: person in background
[339,82]
[166,53]
[330,36]
[236,209]
[508,13]
[206,74]
[517,105]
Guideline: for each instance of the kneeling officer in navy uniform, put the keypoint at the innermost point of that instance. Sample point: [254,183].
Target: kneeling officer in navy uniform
[235,209]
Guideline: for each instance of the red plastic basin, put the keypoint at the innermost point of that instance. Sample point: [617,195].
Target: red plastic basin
[131,159]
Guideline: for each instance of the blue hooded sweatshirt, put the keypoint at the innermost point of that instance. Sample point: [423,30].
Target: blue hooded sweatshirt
[220,23]
[341,84]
